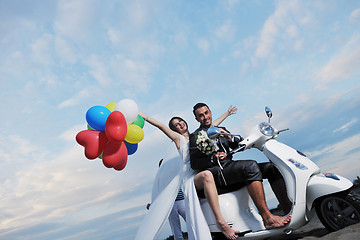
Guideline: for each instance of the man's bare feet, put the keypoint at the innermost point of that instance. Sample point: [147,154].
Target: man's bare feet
[273,221]
[227,230]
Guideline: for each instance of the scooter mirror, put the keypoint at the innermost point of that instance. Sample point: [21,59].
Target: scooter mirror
[268,112]
[213,132]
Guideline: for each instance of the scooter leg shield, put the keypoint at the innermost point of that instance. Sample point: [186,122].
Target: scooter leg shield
[237,209]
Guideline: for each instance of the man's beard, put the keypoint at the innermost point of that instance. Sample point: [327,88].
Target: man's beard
[207,125]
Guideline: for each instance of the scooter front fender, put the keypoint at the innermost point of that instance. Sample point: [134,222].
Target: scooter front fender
[321,185]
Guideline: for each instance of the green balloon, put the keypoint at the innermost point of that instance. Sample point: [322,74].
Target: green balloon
[89,128]
[139,121]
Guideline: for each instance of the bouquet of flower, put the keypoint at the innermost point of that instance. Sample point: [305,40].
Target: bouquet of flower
[204,143]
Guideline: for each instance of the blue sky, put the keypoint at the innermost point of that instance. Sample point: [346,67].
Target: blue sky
[59,58]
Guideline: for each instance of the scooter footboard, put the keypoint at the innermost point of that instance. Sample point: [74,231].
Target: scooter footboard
[324,184]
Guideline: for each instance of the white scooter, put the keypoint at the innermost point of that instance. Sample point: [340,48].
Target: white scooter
[307,188]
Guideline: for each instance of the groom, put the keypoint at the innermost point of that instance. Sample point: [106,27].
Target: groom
[229,174]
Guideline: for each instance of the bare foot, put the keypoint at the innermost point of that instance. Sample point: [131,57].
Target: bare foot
[227,230]
[273,221]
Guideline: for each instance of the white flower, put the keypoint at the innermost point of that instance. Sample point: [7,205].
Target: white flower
[204,143]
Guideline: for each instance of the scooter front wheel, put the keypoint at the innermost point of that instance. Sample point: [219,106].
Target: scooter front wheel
[339,210]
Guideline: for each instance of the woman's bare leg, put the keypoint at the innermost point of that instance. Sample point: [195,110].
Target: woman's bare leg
[205,181]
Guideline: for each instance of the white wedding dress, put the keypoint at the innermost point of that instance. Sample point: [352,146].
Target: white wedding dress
[173,173]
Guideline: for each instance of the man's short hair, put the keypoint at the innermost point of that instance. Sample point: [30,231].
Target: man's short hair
[199,105]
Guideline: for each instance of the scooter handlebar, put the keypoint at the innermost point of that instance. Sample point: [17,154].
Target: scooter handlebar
[282,130]
[238,149]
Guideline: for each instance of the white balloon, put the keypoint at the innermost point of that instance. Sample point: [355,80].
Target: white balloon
[129,109]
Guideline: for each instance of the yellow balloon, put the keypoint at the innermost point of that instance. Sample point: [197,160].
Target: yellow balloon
[111,106]
[134,134]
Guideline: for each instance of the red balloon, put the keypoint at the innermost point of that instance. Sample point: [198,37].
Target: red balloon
[115,155]
[116,127]
[94,142]
[121,166]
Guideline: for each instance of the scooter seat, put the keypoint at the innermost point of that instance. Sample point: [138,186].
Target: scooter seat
[223,190]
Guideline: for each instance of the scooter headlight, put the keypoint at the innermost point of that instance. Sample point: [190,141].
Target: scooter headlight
[266,129]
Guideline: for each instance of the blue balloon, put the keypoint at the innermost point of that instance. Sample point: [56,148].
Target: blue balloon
[131,147]
[96,117]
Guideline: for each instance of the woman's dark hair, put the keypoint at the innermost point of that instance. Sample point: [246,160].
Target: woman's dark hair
[172,126]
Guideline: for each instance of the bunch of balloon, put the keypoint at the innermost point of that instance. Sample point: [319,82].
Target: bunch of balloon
[113,133]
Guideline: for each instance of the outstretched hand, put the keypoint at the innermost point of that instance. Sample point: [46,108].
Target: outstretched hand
[232,110]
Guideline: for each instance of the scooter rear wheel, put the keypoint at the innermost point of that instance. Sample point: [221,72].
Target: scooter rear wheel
[339,210]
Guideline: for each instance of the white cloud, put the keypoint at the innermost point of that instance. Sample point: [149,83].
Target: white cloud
[114,36]
[298,45]
[204,45]
[138,48]
[292,31]
[345,126]
[99,70]
[74,18]
[339,156]
[16,149]
[67,188]
[282,27]
[41,49]
[65,51]
[51,80]
[232,3]
[69,135]
[131,72]
[355,16]
[225,31]
[75,99]
[137,13]
[343,65]
[303,97]
[15,64]
[180,40]
[268,36]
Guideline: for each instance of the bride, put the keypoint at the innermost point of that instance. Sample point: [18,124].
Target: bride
[192,181]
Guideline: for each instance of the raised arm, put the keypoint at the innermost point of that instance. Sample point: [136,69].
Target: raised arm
[165,129]
[232,110]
